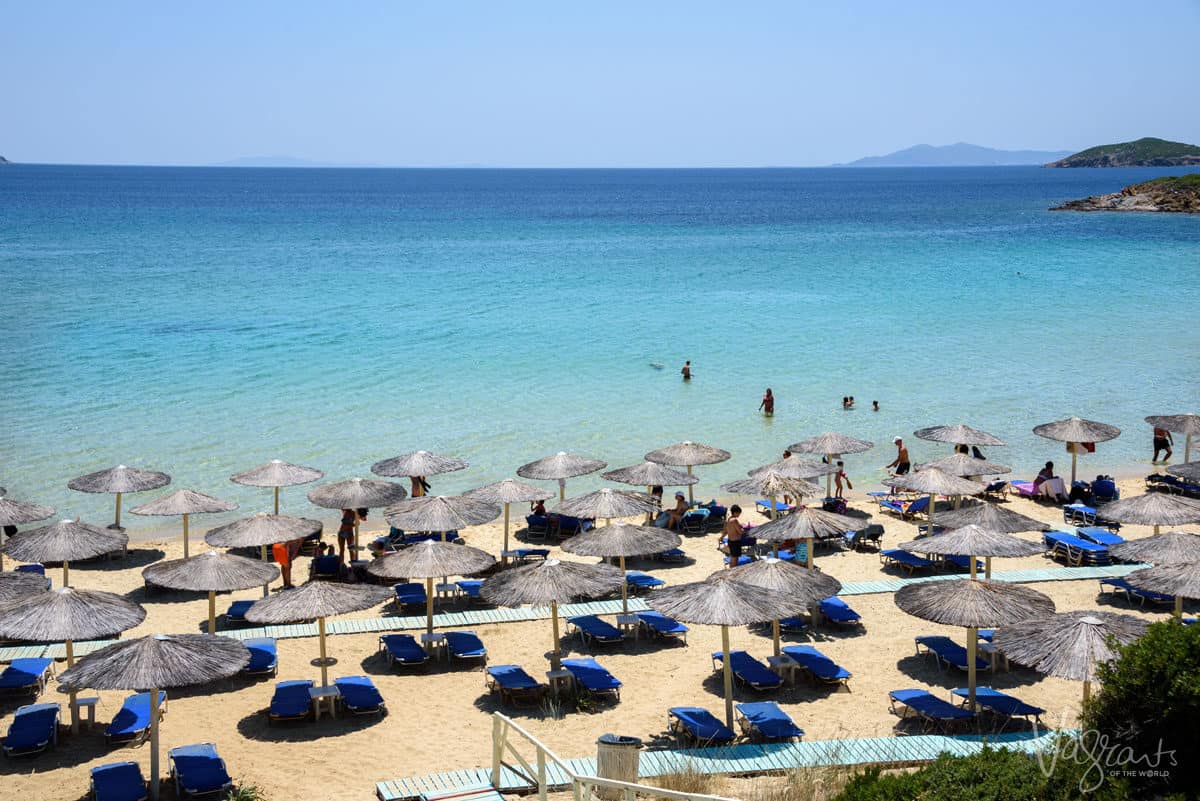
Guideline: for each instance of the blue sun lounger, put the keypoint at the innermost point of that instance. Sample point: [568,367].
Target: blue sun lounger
[34,728]
[515,686]
[27,675]
[947,651]
[1099,535]
[291,700]
[264,656]
[698,725]
[662,626]
[1075,550]
[962,562]
[793,624]
[817,665]
[835,609]
[198,770]
[530,554]
[410,594]
[235,615]
[933,711]
[402,649]
[908,561]
[642,581]
[465,645]
[469,588]
[1131,592]
[742,560]
[360,696]
[748,670]
[905,509]
[119,781]
[596,630]
[590,675]
[132,721]
[764,720]
[1001,704]
[763,507]
[672,555]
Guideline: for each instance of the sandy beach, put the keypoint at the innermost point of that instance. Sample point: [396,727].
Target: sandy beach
[439,719]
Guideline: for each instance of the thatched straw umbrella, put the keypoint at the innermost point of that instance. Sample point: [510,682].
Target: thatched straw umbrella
[418,463]
[720,601]
[357,493]
[991,517]
[507,492]
[275,474]
[1187,424]
[440,513]
[551,582]
[559,467]
[1168,548]
[773,484]
[795,467]
[1074,431]
[428,560]
[1189,471]
[934,482]
[261,530]
[958,435]
[803,584]
[211,572]
[182,503]
[1181,579]
[118,481]
[1069,644]
[317,600]
[65,541]
[973,541]
[17,513]
[1154,509]
[158,662]
[831,445]
[649,475]
[961,464]
[14,585]
[688,454]
[807,524]
[67,615]
[607,503]
[975,604]
[621,540]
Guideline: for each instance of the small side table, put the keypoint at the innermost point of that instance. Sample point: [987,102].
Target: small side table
[628,623]
[318,693]
[997,657]
[560,680]
[89,704]
[434,643]
[784,666]
[446,590]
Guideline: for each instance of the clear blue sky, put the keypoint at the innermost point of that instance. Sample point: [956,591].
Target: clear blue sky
[561,83]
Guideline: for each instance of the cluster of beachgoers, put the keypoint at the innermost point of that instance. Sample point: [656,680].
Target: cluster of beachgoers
[951,598]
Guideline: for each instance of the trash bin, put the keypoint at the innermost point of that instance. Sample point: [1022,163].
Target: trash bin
[616,758]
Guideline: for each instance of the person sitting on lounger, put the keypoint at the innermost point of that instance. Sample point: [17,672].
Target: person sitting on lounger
[678,512]
[537,507]
[1044,475]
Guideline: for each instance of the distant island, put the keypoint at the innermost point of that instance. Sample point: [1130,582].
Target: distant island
[282,161]
[960,154]
[1180,195]
[1145,152]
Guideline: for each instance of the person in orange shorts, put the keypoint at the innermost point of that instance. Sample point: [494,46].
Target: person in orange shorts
[282,551]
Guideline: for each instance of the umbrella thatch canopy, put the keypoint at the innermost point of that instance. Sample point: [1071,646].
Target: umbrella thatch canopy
[418,463]
[973,541]
[14,585]
[507,492]
[961,464]
[261,529]
[958,435]
[559,467]
[1181,579]
[991,517]
[15,513]
[688,454]
[119,480]
[157,662]
[933,482]
[68,614]
[357,493]
[795,467]
[1069,644]
[721,601]
[428,560]
[551,582]
[1076,430]
[650,474]
[277,473]
[803,584]
[607,503]
[621,540]
[1154,509]
[65,541]
[317,600]
[831,444]
[185,502]
[1187,424]
[1189,471]
[440,513]
[1168,548]
[773,485]
[211,572]
[809,523]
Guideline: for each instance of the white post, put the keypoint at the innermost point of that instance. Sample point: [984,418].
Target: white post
[541,774]
[498,730]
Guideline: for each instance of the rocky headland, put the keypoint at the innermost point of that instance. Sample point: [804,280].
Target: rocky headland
[1178,195]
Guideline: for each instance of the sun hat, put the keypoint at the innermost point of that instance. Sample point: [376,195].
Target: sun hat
[897,439]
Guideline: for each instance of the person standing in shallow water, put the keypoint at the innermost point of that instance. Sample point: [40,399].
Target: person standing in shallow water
[767,406]
[1162,441]
[686,371]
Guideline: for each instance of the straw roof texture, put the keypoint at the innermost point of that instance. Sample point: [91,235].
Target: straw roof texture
[974,541]
[1075,429]
[357,493]
[687,453]
[440,513]
[552,580]
[933,481]
[68,614]
[802,584]
[721,601]
[509,491]
[261,529]
[1188,470]
[64,541]
[972,602]
[649,474]
[621,539]
[119,479]
[561,465]
[418,463]
[315,599]
[795,467]
[16,513]
[184,502]
[1168,548]
[1178,423]
[214,571]
[771,483]
[960,464]
[1069,644]
[958,435]
[159,661]
[806,523]
[1181,578]
[607,503]
[1154,509]
[430,559]
[15,585]
[277,473]
[991,517]
[831,442]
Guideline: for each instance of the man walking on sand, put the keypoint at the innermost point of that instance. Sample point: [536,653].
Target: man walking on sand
[901,462]
[733,534]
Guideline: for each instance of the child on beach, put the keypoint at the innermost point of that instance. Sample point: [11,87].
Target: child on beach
[839,478]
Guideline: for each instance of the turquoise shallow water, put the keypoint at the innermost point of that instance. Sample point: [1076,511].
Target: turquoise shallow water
[202,321]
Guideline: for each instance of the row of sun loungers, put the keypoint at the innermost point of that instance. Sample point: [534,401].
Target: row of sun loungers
[936,713]
[762,721]
[948,653]
[1119,586]
[1075,550]
[293,700]
[195,769]
[405,651]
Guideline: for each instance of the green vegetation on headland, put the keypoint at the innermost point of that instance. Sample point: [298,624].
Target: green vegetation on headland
[1145,152]
[1180,195]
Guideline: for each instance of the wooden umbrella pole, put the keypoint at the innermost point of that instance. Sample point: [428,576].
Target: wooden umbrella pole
[972,646]
[72,702]
[987,567]
[690,498]
[728,671]
[277,500]
[504,553]
[624,588]
[1087,690]
[971,566]
[1178,613]
[1187,449]
[829,457]
[1074,460]
[771,498]
[562,489]
[185,536]
[555,657]
[66,574]
[932,503]
[775,635]
[212,612]
[154,744]
[118,510]
[267,586]
[429,605]
[808,546]
[324,662]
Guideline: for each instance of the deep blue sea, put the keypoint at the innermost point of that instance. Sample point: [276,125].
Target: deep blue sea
[202,321]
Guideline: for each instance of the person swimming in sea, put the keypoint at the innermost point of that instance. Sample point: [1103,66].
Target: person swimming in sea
[686,371]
